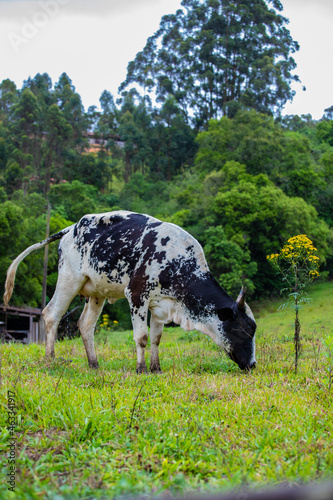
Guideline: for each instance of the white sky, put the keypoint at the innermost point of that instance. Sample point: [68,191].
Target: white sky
[94,40]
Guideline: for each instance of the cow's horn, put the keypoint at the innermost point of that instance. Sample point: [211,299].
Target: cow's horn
[241,298]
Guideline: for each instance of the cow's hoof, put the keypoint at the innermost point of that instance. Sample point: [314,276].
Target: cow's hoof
[155,369]
[141,369]
[94,365]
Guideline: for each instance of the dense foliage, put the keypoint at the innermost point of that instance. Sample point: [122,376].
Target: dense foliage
[242,187]
[213,56]
[241,183]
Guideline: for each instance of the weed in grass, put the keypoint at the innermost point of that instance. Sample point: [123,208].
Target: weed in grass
[192,336]
[298,266]
[135,404]
[328,343]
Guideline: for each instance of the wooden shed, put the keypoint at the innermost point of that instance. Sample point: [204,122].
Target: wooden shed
[21,324]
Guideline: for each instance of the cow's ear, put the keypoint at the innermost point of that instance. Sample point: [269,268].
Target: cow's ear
[225,313]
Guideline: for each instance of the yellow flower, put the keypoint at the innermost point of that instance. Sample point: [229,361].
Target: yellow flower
[273,256]
[298,248]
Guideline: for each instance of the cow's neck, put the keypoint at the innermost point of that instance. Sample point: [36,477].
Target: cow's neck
[197,308]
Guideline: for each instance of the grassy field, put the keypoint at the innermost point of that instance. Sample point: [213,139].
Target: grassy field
[201,426]
[315,317]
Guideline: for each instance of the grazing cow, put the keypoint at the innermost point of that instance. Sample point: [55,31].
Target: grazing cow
[157,266]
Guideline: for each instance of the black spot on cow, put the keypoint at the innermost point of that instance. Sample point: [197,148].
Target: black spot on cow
[122,247]
[165,240]
[60,257]
[152,225]
[114,219]
[149,246]
[199,292]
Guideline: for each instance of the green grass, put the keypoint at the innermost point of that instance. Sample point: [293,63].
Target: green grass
[201,426]
[314,317]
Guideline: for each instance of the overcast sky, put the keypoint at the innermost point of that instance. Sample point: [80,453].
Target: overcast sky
[94,40]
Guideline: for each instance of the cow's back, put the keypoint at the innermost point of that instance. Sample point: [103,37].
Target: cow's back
[116,247]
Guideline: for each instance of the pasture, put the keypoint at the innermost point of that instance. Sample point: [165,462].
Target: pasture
[201,426]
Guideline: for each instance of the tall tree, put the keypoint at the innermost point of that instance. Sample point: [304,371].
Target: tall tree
[172,141]
[8,98]
[58,136]
[27,132]
[134,131]
[70,104]
[216,55]
[107,123]
[41,86]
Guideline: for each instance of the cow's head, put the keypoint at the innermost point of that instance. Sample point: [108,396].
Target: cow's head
[239,329]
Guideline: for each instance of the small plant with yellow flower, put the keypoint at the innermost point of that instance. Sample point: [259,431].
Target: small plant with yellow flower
[105,327]
[299,265]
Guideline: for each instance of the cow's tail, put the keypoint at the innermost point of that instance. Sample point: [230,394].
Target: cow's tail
[9,285]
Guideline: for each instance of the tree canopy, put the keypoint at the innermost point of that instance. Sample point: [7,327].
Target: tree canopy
[214,56]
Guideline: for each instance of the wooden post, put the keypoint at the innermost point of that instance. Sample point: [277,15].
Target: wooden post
[46,256]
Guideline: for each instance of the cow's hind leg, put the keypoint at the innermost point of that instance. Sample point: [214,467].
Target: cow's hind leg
[140,330]
[86,324]
[67,287]
[155,333]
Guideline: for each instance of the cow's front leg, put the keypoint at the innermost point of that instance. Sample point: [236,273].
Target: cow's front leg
[140,328]
[156,329]
[140,332]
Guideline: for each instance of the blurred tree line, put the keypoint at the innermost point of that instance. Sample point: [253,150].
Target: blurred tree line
[198,141]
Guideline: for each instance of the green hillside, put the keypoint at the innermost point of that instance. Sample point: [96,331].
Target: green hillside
[315,318]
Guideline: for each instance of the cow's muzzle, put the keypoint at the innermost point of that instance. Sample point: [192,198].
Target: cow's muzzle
[249,367]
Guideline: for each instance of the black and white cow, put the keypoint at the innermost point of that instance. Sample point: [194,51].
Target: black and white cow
[157,266]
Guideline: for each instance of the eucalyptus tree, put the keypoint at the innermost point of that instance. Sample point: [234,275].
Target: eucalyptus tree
[8,99]
[172,141]
[328,113]
[59,134]
[26,132]
[134,130]
[70,104]
[41,86]
[214,56]
[107,124]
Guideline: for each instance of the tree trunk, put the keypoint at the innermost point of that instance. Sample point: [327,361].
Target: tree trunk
[128,167]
